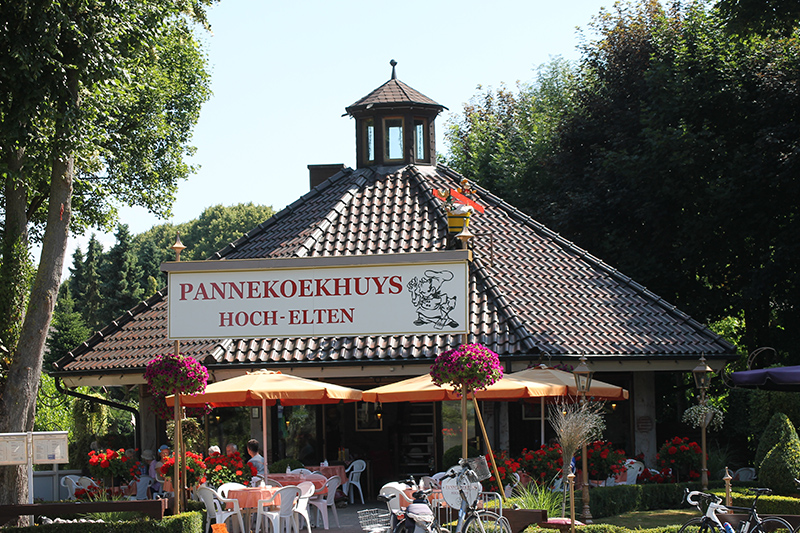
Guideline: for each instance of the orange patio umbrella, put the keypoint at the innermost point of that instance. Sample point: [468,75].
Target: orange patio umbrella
[265,388]
[539,382]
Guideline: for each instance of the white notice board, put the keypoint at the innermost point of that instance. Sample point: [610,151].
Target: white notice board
[50,447]
[13,448]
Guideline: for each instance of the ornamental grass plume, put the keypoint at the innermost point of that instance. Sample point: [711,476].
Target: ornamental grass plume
[576,424]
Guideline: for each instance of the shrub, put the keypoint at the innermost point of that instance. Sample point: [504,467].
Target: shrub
[452,455]
[682,457]
[542,465]
[781,466]
[779,429]
[279,467]
[602,460]
[183,523]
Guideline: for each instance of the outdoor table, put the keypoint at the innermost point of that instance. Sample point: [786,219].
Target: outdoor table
[296,479]
[330,471]
[248,500]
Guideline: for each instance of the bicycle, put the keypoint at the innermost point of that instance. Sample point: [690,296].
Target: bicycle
[417,517]
[460,489]
[710,522]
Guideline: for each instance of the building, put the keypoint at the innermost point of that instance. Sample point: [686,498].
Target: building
[535,298]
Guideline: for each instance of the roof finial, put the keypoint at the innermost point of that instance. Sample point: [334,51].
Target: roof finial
[393,63]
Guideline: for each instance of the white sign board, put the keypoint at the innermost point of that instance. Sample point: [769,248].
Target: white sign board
[13,448]
[50,447]
[381,294]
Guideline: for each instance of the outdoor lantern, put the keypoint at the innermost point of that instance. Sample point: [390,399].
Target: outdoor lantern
[378,411]
[702,374]
[583,376]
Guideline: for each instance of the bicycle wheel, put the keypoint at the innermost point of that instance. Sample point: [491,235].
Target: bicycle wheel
[486,522]
[773,524]
[700,525]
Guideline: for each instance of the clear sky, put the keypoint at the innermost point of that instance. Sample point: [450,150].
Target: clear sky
[283,72]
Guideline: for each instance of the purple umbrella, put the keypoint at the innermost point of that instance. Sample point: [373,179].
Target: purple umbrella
[782,378]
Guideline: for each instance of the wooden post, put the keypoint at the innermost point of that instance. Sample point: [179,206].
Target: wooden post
[728,477]
[571,482]
[464,431]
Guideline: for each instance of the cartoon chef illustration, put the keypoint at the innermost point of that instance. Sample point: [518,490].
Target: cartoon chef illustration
[433,306]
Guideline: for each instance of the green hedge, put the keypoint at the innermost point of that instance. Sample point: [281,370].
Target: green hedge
[608,528]
[611,501]
[183,523]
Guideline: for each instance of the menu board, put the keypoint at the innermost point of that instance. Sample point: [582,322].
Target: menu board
[13,448]
[50,447]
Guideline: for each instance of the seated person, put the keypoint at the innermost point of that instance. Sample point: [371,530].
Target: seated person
[213,450]
[149,458]
[231,449]
[256,458]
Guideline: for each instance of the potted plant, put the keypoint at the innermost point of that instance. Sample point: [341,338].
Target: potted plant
[603,461]
[228,469]
[195,469]
[682,457]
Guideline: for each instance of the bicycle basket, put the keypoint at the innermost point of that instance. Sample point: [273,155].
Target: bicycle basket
[374,520]
[479,466]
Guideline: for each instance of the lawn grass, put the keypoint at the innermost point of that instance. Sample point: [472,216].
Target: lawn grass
[648,519]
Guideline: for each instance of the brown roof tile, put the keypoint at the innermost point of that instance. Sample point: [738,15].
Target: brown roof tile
[531,291]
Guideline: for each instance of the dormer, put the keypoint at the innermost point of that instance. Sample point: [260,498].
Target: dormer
[395,125]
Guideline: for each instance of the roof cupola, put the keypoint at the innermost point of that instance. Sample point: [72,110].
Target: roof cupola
[395,125]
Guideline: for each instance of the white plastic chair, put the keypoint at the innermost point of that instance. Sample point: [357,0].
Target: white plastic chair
[87,483]
[302,471]
[272,483]
[216,508]
[285,513]
[70,482]
[223,489]
[326,501]
[396,497]
[747,473]
[307,490]
[354,478]
[142,486]
[633,469]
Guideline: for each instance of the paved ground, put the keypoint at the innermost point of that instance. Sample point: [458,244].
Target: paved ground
[348,517]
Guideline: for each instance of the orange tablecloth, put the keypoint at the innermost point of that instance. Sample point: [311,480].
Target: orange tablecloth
[330,471]
[249,496]
[295,479]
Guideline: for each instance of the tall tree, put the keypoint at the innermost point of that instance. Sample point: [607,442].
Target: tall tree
[504,138]
[97,103]
[91,294]
[681,163]
[67,330]
[121,275]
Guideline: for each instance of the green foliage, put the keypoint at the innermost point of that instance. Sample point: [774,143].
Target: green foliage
[768,505]
[279,467]
[193,435]
[781,466]
[189,522]
[536,496]
[67,330]
[121,276]
[616,500]
[453,454]
[53,409]
[760,16]
[90,420]
[779,429]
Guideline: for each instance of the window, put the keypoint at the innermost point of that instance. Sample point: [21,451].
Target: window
[393,133]
[419,139]
[369,139]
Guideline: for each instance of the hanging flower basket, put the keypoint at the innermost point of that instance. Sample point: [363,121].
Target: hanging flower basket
[468,368]
[168,374]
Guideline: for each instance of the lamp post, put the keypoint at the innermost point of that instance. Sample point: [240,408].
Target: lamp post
[583,380]
[702,378]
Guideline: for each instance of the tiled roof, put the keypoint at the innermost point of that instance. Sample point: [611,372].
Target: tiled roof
[531,291]
[393,91]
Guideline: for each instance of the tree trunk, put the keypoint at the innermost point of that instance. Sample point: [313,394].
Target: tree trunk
[18,402]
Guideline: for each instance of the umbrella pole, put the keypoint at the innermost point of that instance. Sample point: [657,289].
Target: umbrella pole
[541,426]
[489,446]
[264,433]
[464,431]
[324,437]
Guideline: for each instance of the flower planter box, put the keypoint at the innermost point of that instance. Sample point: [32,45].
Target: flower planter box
[519,519]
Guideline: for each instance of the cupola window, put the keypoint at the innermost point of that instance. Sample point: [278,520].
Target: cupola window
[420,139]
[369,139]
[393,134]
